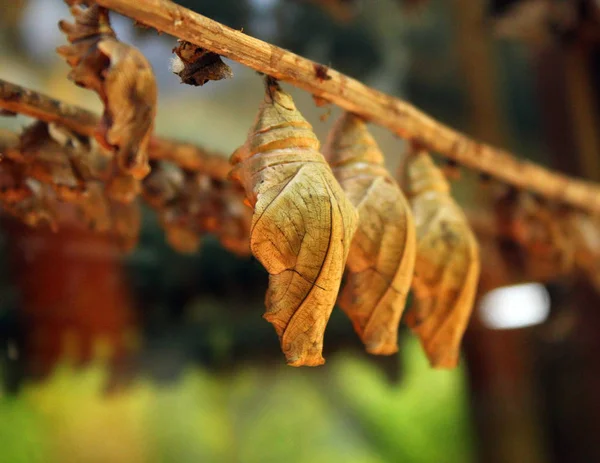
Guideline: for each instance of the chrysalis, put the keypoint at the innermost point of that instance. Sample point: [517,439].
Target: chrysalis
[542,232]
[163,184]
[166,190]
[191,204]
[123,79]
[126,220]
[447,264]
[87,160]
[32,202]
[196,66]
[584,229]
[302,224]
[49,162]
[13,187]
[9,143]
[221,212]
[382,255]
[94,208]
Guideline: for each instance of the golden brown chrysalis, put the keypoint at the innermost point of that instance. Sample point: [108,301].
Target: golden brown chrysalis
[166,190]
[541,230]
[302,224]
[192,204]
[94,208]
[13,186]
[87,160]
[584,231]
[123,79]
[30,201]
[49,162]
[447,264]
[53,177]
[382,255]
[126,221]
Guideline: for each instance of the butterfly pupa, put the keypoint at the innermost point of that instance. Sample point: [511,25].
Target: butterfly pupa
[302,224]
[584,230]
[124,80]
[167,190]
[382,255]
[126,221]
[447,263]
[49,162]
[541,230]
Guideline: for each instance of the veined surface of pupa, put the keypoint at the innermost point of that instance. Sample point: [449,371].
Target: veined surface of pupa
[382,255]
[122,77]
[447,264]
[302,224]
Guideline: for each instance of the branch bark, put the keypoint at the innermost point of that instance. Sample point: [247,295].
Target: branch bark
[17,99]
[398,116]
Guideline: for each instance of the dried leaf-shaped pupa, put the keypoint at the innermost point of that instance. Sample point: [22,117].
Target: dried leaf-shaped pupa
[382,255]
[302,224]
[13,185]
[447,265]
[167,190]
[38,206]
[94,208]
[49,162]
[541,230]
[123,79]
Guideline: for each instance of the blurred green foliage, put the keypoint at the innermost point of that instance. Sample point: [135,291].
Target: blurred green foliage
[346,412]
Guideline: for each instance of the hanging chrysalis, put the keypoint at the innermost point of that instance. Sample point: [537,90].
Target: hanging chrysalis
[447,264]
[30,201]
[49,162]
[123,79]
[196,66]
[126,221]
[87,160]
[13,185]
[167,189]
[584,231]
[541,231]
[93,169]
[94,208]
[302,224]
[221,212]
[192,204]
[382,255]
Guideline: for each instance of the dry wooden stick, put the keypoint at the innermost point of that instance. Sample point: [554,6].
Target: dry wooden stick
[17,99]
[396,115]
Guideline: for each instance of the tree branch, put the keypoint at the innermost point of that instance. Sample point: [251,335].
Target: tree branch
[398,116]
[17,99]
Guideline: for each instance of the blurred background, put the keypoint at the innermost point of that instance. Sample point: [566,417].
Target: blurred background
[157,356]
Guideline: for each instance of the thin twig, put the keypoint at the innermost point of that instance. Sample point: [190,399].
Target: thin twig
[21,100]
[398,116]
